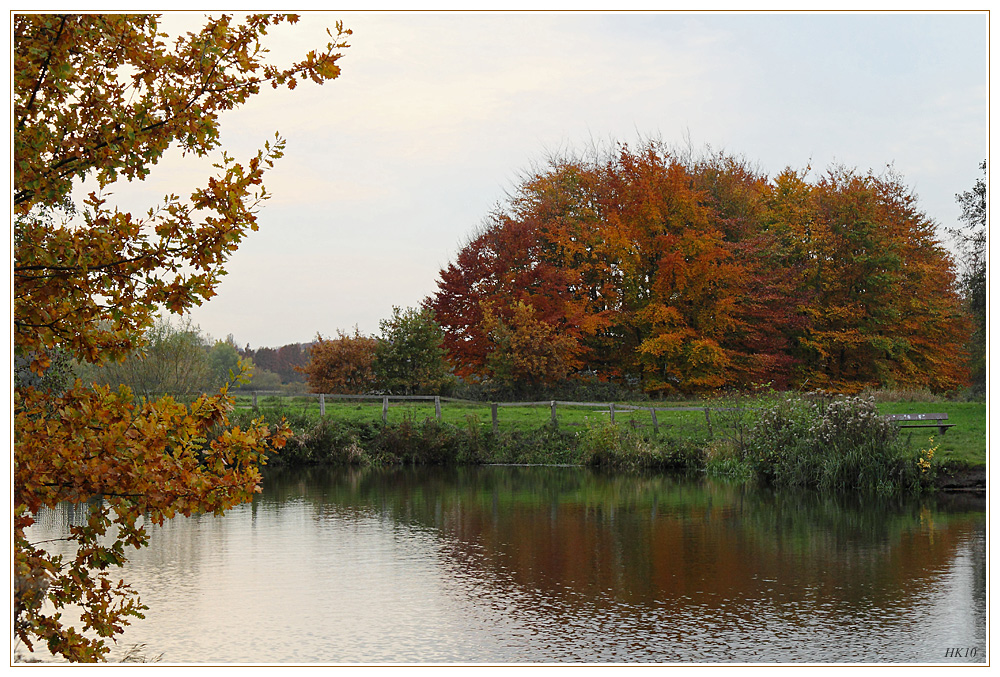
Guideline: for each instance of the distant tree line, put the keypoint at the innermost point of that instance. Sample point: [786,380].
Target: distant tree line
[177,359]
[279,366]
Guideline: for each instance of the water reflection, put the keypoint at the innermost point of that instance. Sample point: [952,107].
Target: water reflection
[519,564]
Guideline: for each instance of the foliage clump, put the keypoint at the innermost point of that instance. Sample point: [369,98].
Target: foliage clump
[525,352]
[409,357]
[342,365]
[841,444]
[174,360]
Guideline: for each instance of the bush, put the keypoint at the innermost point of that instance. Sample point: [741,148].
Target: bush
[845,444]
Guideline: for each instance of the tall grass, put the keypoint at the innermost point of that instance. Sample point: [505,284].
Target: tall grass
[622,448]
[903,395]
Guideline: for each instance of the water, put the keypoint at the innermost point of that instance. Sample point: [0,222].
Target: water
[533,564]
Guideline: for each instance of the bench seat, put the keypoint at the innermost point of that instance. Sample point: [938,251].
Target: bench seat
[922,421]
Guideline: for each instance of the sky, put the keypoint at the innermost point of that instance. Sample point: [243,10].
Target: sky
[391,167]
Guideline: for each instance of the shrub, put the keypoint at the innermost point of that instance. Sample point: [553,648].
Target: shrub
[845,444]
[409,359]
[342,365]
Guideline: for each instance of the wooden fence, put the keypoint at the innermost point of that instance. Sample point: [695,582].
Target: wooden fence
[611,408]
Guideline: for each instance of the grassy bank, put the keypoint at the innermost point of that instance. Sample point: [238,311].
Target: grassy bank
[963,445]
[330,440]
[771,438]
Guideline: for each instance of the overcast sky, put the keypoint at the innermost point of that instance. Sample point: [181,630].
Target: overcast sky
[389,168]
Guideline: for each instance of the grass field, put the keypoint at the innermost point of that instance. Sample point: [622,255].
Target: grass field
[964,444]
[690,424]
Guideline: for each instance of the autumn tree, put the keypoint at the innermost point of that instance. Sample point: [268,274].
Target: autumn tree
[767,250]
[500,266]
[885,310]
[695,274]
[102,98]
[462,288]
[678,274]
[540,253]
[526,352]
[409,357]
[342,365]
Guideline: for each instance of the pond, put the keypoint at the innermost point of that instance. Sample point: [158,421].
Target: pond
[558,564]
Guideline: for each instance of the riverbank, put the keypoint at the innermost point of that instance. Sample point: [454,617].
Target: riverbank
[844,444]
[966,480]
[699,420]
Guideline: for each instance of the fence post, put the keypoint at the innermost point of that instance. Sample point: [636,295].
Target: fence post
[555,423]
[708,420]
[385,410]
[611,409]
[322,405]
[255,400]
[656,426]
[493,410]
[437,407]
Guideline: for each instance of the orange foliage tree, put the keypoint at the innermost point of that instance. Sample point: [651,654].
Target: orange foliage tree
[103,97]
[344,365]
[886,310]
[694,275]
[679,277]
[526,351]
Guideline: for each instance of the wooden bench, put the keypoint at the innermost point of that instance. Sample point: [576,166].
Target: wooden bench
[922,421]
